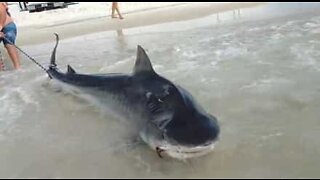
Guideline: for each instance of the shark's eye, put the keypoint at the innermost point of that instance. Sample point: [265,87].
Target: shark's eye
[152,97]
[154,103]
[163,98]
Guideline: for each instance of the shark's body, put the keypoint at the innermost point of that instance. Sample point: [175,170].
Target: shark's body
[167,116]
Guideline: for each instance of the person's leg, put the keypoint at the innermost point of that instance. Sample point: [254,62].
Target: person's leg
[10,32]
[119,13]
[114,4]
[117,8]
[13,53]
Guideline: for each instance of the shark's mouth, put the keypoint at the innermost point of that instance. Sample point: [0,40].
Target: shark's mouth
[163,147]
[181,152]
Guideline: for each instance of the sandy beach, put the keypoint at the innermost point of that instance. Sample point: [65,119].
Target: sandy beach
[38,27]
[254,66]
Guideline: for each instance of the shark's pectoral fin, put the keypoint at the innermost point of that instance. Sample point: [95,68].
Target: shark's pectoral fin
[71,70]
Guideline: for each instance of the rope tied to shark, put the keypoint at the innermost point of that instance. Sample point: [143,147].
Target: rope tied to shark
[31,58]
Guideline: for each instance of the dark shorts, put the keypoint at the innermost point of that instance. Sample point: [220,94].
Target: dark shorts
[10,31]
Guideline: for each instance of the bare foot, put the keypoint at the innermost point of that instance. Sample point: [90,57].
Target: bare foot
[121,17]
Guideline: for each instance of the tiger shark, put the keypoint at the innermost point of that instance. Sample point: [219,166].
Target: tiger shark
[168,118]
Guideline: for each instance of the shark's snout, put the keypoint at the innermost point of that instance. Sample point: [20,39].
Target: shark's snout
[188,138]
[200,130]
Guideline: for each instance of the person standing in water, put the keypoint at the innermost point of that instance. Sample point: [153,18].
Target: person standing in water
[115,7]
[9,31]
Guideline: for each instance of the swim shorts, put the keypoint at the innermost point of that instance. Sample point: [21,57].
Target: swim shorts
[10,31]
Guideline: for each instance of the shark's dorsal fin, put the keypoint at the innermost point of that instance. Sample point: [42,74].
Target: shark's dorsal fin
[71,70]
[143,64]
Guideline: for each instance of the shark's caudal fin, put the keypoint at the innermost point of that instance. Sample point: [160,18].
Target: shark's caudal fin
[53,55]
[143,64]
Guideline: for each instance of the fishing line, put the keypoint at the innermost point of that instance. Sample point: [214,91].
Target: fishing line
[31,58]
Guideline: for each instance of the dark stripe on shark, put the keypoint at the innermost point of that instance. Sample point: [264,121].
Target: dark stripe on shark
[111,81]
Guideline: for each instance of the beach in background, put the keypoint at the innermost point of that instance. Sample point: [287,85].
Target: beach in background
[85,18]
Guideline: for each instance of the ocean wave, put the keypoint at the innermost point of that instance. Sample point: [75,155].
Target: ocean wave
[306,55]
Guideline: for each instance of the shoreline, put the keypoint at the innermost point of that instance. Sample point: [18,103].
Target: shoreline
[177,12]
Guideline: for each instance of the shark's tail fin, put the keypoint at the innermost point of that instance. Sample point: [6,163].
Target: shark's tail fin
[53,55]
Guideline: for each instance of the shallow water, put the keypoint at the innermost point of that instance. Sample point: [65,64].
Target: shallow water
[257,70]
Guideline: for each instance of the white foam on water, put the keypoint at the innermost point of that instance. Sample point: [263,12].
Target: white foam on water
[311,25]
[265,85]
[306,56]
[316,31]
[10,110]
[116,65]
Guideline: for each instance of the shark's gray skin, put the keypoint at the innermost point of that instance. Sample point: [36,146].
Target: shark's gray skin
[168,117]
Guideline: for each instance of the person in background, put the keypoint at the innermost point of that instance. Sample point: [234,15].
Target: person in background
[8,30]
[115,7]
[24,7]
